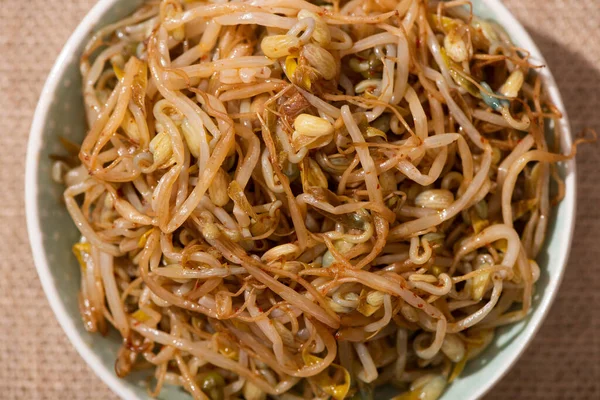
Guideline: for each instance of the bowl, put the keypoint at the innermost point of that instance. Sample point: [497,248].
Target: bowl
[51,232]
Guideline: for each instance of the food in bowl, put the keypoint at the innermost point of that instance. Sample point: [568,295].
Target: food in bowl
[292,200]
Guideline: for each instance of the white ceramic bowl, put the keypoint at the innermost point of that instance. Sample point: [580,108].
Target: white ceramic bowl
[52,233]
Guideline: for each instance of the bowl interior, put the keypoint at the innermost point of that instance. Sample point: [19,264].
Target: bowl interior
[60,113]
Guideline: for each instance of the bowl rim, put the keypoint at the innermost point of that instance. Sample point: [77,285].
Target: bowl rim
[122,387]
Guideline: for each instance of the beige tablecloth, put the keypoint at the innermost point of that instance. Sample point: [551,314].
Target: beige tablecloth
[36,359]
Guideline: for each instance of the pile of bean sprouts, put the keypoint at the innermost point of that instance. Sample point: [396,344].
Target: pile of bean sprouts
[308,200]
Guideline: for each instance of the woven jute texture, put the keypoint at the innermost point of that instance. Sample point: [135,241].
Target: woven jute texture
[36,359]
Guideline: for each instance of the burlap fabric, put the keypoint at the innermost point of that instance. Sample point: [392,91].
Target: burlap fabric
[36,359]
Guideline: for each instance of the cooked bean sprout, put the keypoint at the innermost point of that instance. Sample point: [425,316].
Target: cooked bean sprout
[306,201]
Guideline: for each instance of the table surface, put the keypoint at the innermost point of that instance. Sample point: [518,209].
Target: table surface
[38,362]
